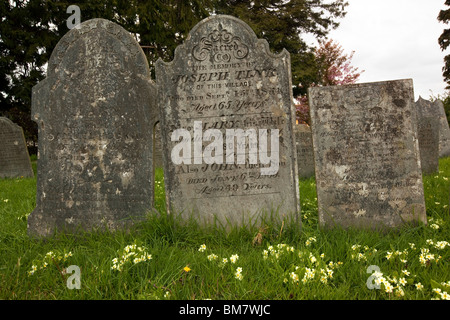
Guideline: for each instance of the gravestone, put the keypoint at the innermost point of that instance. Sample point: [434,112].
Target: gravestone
[14,159]
[95,112]
[227,126]
[436,109]
[305,154]
[367,155]
[428,133]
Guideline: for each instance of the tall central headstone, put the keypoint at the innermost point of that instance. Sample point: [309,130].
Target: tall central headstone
[95,112]
[367,155]
[227,126]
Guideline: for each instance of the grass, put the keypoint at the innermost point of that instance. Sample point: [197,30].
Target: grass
[163,259]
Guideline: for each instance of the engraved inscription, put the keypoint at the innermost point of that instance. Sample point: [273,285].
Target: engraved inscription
[221,45]
[367,156]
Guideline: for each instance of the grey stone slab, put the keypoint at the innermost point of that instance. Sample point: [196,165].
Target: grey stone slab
[428,134]
[367,158]
[305,153]
[95,112]
[436,109]
[224,78]
[14,158]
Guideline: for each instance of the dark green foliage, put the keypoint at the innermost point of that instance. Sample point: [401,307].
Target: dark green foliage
[444,42]
[29,31]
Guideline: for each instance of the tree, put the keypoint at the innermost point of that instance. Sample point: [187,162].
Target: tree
[283,22]
[334,67]
[444,42]
[30,29]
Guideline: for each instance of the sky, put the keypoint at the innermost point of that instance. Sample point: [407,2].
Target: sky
[395,39]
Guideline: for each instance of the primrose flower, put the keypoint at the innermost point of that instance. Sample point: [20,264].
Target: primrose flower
[310,240]
[399,292]
[234,258]
[419,286]
[388,287]
[238,275]
[402,281]
[212,257]
[441,244]
[294,277]
[202,248]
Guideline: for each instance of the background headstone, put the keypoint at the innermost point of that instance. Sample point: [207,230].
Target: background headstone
[367,155]
[95,118]
[427,108]
[305,153]
[428,133]
[157,149]
[14,158]
[225,78]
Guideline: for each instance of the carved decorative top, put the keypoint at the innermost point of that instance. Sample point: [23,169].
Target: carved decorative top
[222,45]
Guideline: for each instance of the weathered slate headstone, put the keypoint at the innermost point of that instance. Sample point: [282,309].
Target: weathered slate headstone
[427,108]
[428,133]
[305,154]
[367,155]
[14,159]
[224,81]
[94,112]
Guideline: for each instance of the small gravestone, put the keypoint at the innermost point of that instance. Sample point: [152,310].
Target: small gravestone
[367,155]
[95,117]
[428,133]
[14,159]
[227,126]
[305,154]
[436,109]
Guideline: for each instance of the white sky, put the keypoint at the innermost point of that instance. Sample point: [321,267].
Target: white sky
[395,39]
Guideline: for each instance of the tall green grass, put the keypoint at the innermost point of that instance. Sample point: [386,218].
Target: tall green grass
[184,261]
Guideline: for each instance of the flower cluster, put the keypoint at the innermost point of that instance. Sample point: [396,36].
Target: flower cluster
[238,274]
[49,258]
[426,257]
[303,266]
[224,261]
[361,253]
[130,254]
[395,284]
[442,294]
[276,252]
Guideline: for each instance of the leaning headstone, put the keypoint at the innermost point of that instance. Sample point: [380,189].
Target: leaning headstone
[94,112]
[227,126]
[14,159]
[428,133]
[367,155]
[305,154]
[436,109]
